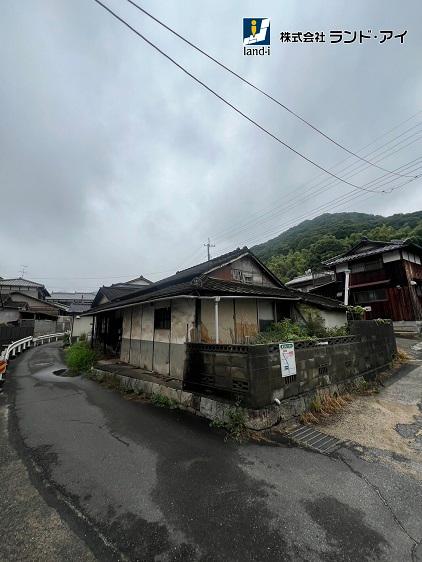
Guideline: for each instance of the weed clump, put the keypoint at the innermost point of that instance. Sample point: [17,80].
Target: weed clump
[234,425]
[163,401]
[80,358]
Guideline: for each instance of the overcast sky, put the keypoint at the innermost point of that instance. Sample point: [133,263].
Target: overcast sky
[114,163]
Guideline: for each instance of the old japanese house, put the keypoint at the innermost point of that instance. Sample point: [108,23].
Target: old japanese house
[384,277]
[228,300]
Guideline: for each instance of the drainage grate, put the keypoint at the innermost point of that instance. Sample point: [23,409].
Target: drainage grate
[308,436]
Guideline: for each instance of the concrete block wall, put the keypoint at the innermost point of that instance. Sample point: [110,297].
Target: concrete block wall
[253,372]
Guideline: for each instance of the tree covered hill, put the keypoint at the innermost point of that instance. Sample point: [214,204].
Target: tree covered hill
[304,246]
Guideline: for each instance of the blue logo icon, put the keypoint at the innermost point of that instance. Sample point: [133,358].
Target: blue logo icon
[256,31]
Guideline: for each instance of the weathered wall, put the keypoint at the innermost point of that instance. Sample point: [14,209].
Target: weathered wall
[126,332]
[243,270]
[253,372]
[9,315]
[246,319]
[334,318]
[225,320]
[147,337]
[159,350]
[82,325]
[182,330]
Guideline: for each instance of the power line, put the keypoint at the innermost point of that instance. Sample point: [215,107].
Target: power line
[269,96]
[221,98]
[312,190]
[272,212]
[346,198]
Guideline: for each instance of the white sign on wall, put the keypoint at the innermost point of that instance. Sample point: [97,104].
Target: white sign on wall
[287,359]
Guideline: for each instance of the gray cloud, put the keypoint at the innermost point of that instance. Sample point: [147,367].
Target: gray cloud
[114,163]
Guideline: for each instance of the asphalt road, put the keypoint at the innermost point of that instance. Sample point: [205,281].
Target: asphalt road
[137,482]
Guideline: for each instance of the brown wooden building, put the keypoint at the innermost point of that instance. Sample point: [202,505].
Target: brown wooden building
[385,277]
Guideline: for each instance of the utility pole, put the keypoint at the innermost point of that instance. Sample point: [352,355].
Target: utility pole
[208,246]
[24,267]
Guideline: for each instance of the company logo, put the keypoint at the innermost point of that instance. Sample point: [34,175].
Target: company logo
[256,36]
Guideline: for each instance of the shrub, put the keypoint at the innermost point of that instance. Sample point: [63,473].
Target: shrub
[286,330]
[80,357]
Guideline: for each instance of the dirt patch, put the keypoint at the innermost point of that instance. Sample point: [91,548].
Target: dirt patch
[387,426]
[371,421]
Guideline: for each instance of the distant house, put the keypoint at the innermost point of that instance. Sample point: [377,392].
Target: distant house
[385,277]
[24,299]
[226,300]
[107,294]
[322,283]
[24,286]
[68,298]
[17,306]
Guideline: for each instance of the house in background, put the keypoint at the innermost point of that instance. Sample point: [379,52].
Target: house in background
[226,300]
[84,324]
[68,298]
[320,282]
[22,299]
[17,306]
[385,277]
[24,286]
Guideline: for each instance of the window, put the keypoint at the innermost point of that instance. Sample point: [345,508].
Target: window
[360,267]
[162,318]
[265,314]
[371,296]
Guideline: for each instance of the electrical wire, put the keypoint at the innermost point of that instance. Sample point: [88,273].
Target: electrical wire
[226,102]
[263,92]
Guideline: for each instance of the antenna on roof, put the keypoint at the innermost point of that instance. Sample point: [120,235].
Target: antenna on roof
[24,267]
[208,246]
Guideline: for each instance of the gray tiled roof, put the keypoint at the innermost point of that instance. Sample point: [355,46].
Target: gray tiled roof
[381,247]
[59,296]
[207,286]
[20,282]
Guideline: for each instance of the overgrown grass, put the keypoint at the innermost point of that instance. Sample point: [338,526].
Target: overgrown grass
[235,426]
[80,358]
[311,328]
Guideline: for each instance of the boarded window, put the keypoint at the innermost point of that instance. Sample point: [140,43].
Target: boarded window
[162,318]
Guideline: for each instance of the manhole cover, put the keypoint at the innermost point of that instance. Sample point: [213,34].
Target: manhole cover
[308,436]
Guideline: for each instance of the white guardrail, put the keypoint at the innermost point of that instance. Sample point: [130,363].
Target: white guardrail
[18,346]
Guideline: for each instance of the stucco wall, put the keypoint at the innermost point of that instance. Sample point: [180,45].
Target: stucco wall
[333,318]
[159,350]
[82,325]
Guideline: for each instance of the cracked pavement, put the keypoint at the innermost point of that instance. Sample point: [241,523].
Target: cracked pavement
[137,482]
